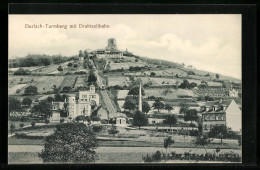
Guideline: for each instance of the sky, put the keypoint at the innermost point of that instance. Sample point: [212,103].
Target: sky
[207,42]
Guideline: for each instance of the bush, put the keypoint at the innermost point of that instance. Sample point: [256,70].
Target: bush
[33,123]
[24,118]
[18,90]
[21,125]
[159,156]
[62,120]
[193,132]
[97,128]
[21,72]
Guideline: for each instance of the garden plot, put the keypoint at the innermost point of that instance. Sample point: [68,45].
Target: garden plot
[69,80]
[14,88]
[117,66]
[174,71]
[80,82]
[46,83]
[117,80]
[165,81]
[168,93]
[47,69]
[14,80]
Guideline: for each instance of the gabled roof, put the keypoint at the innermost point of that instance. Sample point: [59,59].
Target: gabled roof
[115,115]
[217,103]
[218,106]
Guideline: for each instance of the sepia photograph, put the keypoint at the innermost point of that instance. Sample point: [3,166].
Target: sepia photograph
[124,88]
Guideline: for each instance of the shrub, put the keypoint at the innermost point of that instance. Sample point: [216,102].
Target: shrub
[97,128]
[62,120]
[193,132]
[21,125]
[18,90]
[33,123]
[23,118]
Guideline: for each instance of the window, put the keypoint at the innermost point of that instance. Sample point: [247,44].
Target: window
[84,96]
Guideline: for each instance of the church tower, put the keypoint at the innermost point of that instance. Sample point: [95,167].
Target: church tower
[140,98]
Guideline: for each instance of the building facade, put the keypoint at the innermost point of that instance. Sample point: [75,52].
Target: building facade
[219,113]
[110,51]
[79,107]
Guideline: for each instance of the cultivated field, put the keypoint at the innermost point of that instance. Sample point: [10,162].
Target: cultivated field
[46,83]
[116,80]
[81,82]
[69,80]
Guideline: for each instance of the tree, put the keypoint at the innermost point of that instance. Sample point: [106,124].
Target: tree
[158,104]
[92,78]
[95,118]
[146,107]
[185,84]
[27,101]
[50,99]
[113,130]
[14,104]
[42,109]
[33,123]
[66,89]
[183,107]
[30,90]
[152,74]
[12,127]
[60,68]
[139,119]
[130,103]
[168,142]
[171,120]
[58,98]
[168,107]
[217,76]
[70,143]
[135,91]
[218,132]
[191,115]
[202,140]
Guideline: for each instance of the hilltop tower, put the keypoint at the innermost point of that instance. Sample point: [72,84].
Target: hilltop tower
[140,98]
[111,44]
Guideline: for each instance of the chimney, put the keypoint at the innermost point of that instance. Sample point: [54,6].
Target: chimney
[140,98]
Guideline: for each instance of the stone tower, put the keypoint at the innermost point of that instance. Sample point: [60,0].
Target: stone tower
[111,44]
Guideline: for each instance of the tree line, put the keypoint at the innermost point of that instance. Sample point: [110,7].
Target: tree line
[37,60]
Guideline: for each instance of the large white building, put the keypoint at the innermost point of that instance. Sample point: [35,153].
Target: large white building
[217,113]
[79,107]
[110,51]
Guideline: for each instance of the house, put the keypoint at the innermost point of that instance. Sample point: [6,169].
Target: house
[79,107]
[225,112]
[120,119]
[110,51]
[153,121]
